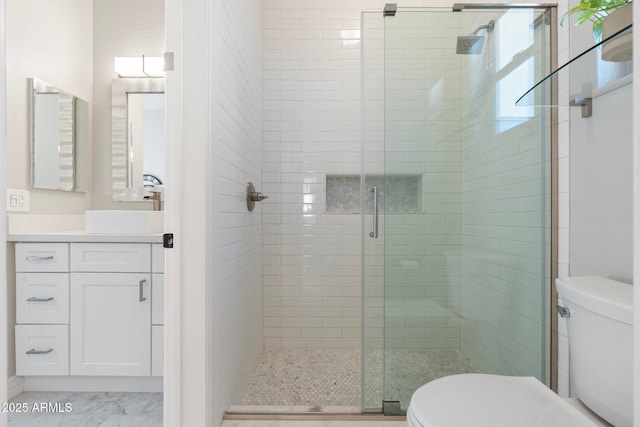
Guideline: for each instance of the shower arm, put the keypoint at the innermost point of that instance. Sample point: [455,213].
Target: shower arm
[489,27]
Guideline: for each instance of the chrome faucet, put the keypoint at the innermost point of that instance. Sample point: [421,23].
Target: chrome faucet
[156,198]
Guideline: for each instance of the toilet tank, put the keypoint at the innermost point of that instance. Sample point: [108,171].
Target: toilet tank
[600,344]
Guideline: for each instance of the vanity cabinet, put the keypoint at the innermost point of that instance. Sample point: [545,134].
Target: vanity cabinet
[87,309]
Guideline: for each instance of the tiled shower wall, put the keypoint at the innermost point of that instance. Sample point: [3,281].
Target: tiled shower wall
[503,173]
[422,137]
[237,299]
[311,128]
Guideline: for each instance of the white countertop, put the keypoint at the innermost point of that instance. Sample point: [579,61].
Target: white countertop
[82,236]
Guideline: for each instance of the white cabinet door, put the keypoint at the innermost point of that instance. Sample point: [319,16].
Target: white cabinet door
[110,328]
[157,350]
[157,302]
[157,258]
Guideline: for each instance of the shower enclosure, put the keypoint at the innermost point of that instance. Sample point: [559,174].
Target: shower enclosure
[456,189]
[419,245]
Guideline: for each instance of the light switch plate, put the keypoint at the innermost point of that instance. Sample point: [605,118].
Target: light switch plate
[17,200]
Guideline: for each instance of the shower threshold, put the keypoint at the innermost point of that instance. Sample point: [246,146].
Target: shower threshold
[293,410]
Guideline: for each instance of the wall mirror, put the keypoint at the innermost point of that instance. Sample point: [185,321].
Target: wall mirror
[137,137]
[59,139]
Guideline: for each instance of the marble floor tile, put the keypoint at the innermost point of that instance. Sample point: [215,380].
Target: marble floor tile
[105,409]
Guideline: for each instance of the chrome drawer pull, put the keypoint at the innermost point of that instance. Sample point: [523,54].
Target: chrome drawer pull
[34,351]
[141,297]
[34,299]
[39,258]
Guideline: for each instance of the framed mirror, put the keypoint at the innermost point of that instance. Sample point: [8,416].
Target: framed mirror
[59,139]
[137,137]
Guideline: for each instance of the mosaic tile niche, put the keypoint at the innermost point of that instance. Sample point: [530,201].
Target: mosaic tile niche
[398,193]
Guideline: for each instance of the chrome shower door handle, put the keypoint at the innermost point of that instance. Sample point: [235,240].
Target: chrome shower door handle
[376,211]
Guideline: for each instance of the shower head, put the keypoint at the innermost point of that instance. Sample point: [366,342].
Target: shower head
[472,44]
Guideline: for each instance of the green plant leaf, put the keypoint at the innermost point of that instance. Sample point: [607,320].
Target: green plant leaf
[594,11]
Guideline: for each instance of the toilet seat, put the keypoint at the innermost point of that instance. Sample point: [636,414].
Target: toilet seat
[482,400]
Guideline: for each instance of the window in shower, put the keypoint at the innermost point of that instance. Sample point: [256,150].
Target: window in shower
[515,52]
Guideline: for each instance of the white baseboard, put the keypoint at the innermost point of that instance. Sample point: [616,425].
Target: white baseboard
[15,386]
[93,384]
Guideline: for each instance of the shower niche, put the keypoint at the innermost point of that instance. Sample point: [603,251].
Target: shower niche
[398,193]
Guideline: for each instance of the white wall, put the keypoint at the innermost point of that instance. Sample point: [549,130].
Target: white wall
[234,294]
[121,28]
[3,227]
[601,179]
[53,42]
[602,188]
[595,184]
[636,218]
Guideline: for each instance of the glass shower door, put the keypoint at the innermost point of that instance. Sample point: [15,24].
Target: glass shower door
[457,279]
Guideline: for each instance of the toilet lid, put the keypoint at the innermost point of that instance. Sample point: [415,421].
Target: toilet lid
[482,400]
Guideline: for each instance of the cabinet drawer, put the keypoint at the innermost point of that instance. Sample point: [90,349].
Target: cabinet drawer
[157,299]
[42,257]
[157,258]
[157,350]
[42,350]
[111,257]
[42,298]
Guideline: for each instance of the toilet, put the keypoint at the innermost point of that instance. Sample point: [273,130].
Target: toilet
[600,318]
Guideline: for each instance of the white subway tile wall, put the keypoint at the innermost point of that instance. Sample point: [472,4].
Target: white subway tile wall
[311,125]
[238,296]
[373,251]
[422,136]
[502,195]
[311,128]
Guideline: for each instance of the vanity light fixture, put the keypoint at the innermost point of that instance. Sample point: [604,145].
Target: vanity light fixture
[139,66]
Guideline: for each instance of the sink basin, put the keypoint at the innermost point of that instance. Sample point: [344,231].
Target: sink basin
[123,222]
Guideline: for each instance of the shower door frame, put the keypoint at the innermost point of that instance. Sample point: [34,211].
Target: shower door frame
[553,190]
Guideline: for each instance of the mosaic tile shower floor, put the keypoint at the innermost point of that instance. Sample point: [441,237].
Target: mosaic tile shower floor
[305,377]
[321,378]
